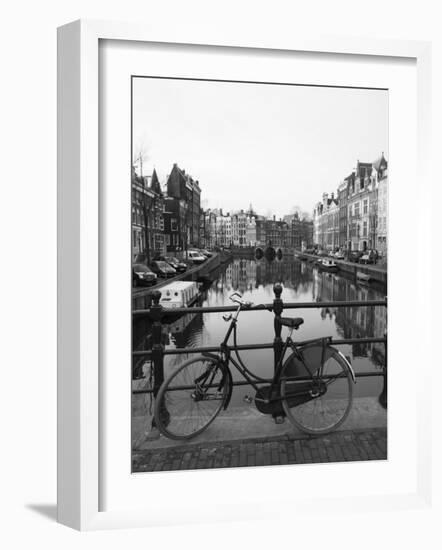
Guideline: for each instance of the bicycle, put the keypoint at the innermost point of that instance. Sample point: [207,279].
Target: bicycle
[313,387]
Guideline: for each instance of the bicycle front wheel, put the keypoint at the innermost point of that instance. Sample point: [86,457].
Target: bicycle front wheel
[191,398]
[317,391]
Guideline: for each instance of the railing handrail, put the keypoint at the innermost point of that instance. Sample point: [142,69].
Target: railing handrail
[157,313]
[245,347]
[262,307]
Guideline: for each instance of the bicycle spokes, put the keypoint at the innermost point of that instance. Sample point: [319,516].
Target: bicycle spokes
[319,401]
[193,396]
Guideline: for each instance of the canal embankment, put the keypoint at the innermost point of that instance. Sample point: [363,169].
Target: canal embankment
[377,273]
[245,422]
[141,297]
[241,424]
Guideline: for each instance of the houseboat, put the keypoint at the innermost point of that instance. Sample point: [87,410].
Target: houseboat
[179,294]
[328,264]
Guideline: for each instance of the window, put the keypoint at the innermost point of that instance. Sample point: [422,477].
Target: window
[173,225]
[366,206]
[356,206]
[134,238]
[364,230]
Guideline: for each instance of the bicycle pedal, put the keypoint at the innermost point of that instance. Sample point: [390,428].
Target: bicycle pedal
[248,399]
[279,419]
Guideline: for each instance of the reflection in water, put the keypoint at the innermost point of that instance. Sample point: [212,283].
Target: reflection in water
[302,282]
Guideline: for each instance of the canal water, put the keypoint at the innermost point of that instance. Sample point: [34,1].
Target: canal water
[302,282]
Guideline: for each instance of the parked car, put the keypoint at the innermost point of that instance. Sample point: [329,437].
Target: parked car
[366,259]
[339,255]
[195,257]
[206,253]
[142,275]
[178,265]
[163,269]
[354,256]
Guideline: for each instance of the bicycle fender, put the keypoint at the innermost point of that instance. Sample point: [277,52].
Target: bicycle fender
[347,362]
[311,344]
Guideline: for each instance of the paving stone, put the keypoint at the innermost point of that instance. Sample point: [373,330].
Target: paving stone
[369,444]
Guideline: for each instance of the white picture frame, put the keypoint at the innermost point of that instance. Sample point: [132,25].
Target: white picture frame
[79,293]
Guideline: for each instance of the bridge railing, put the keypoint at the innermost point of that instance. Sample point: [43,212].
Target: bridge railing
[157,313]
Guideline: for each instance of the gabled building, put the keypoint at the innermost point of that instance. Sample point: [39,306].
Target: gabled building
[251,231]
[361,205]
[184,206]
[239,223]
[147,217]
[210,228]
[343,192]
[380,174]
[277,233]
[301,231]
[175,215]
[326,222]
[261,234]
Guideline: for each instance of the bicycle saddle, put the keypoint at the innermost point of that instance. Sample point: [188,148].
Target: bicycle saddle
[292,322]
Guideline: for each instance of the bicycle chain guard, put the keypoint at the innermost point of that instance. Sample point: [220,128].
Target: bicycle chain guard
[302,394]
[274,408]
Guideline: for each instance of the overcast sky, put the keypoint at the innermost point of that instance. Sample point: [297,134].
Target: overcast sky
[275,146]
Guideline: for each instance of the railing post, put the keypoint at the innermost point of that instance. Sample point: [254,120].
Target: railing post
[156,315]
[278,307]
[383,398]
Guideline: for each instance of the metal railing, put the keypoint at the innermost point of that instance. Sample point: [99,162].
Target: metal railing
[157,313]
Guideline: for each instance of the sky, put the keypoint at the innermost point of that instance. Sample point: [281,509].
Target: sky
[277,147]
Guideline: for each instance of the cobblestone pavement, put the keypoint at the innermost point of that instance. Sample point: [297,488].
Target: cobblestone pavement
[369,444]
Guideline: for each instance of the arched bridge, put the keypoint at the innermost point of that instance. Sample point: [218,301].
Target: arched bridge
[271,252]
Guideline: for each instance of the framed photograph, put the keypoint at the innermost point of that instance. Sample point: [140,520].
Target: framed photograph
[225,250]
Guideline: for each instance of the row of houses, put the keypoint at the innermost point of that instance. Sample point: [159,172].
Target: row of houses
[173,221]
[165,221]
[246,229]
[355,217]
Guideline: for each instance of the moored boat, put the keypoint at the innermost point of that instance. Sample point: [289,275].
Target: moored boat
[179,294]
[328,264]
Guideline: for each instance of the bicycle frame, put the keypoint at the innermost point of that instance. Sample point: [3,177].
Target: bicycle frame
[226,358]
[288,388]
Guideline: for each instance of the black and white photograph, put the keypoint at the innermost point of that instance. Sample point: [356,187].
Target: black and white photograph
[225,274]
[259,260]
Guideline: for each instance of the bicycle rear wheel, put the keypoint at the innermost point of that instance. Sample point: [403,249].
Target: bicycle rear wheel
[320,405]
[191,398]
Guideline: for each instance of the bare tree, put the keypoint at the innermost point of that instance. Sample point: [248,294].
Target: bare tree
[140,156]
[301,213]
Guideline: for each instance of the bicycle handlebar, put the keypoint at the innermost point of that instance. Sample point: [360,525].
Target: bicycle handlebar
[237,299]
